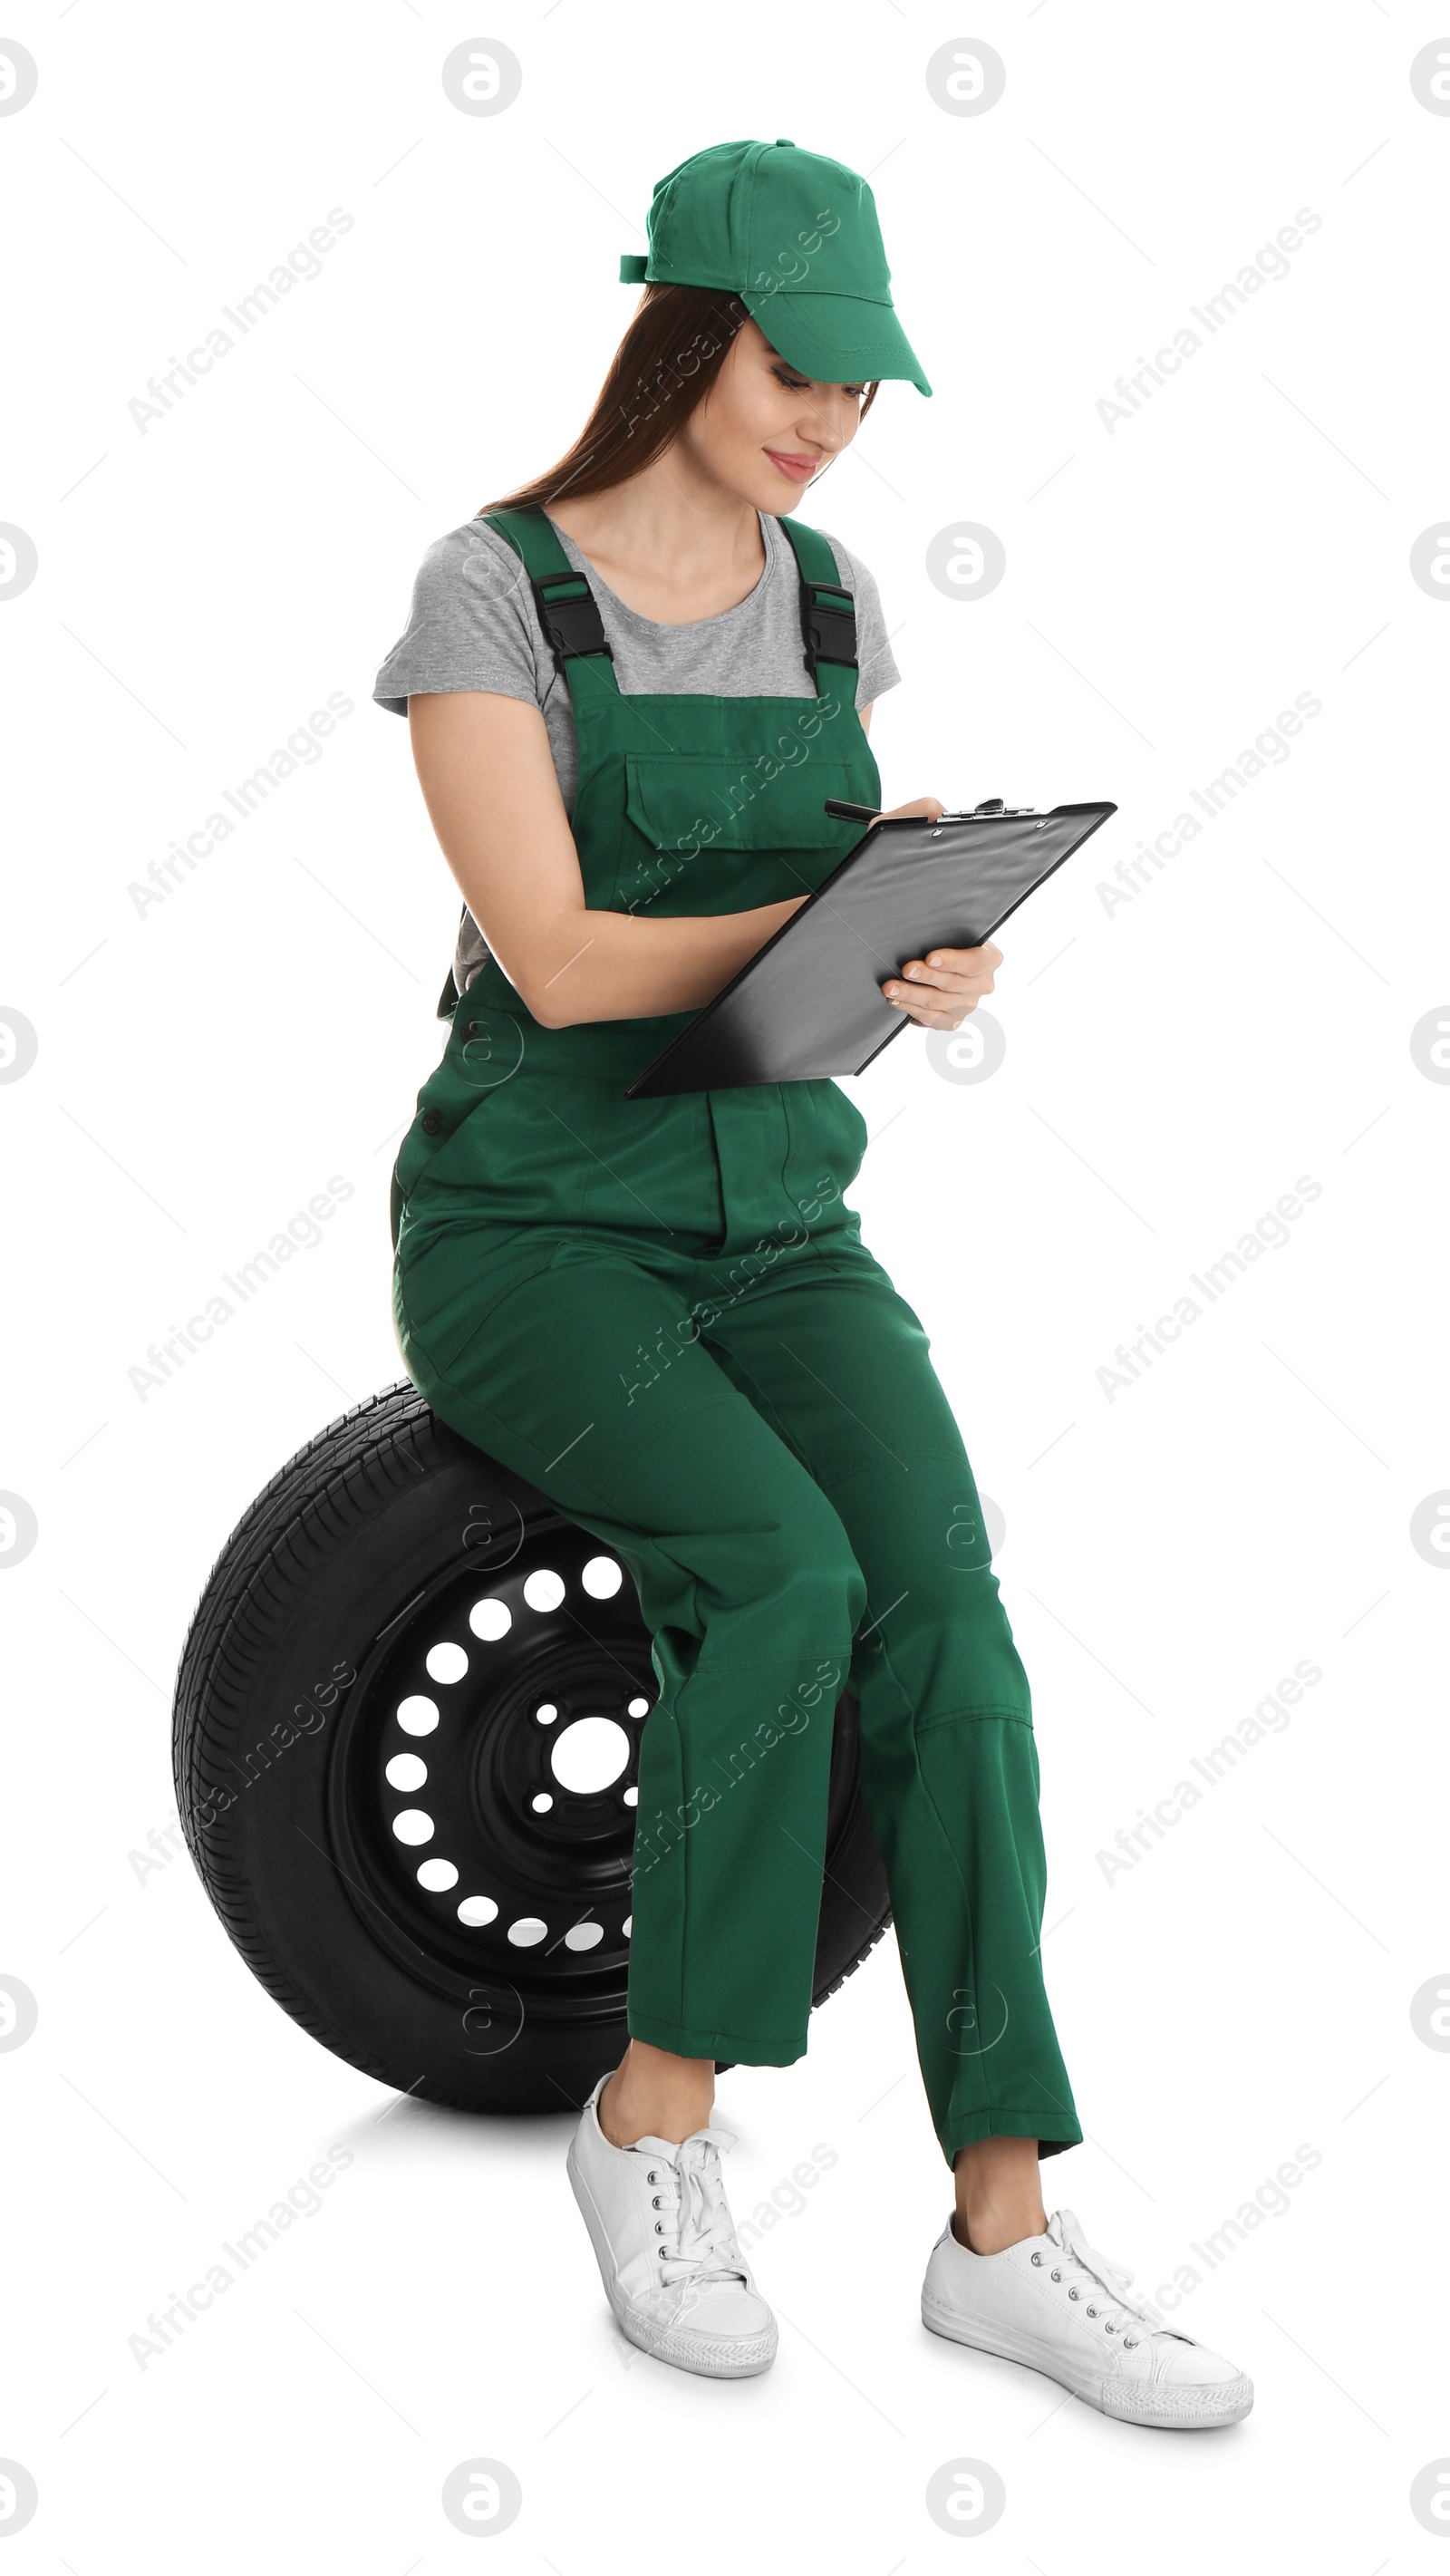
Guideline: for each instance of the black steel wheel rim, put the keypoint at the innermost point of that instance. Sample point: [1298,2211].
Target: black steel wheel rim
[482,1790]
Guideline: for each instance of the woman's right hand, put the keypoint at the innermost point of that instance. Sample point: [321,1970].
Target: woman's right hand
[930,807]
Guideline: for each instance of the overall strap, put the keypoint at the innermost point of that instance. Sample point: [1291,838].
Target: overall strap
[568,609]
[828,610]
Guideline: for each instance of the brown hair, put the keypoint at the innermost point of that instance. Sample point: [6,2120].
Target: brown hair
[666,363]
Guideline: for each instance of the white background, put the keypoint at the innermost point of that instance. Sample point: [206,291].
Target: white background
[1172,1067]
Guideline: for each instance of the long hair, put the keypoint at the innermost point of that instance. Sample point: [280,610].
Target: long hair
[667,361]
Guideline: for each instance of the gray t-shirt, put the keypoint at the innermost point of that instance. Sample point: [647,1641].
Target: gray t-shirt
[474,626]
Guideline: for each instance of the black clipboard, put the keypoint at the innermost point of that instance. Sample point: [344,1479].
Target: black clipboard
[809,1002]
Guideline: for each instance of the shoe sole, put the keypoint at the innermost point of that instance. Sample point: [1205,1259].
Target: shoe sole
[724,2357]
[1163,2408]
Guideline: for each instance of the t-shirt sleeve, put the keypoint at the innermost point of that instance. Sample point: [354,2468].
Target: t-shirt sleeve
[876,663]
[471,625]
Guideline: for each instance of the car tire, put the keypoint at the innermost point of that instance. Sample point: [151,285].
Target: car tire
[365,1768]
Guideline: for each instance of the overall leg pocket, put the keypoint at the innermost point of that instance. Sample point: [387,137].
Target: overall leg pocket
[827,1142]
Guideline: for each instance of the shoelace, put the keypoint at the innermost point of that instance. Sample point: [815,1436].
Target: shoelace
[696,2232]
[1112,2280]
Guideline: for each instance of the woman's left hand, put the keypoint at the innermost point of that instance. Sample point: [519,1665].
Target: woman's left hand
[938,990]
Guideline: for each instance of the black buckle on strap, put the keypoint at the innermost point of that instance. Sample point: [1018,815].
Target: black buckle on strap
[829,630]
[572,626]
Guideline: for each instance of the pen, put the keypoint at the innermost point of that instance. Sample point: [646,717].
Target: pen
[867,813]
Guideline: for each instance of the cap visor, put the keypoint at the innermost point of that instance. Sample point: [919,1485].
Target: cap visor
[837,339]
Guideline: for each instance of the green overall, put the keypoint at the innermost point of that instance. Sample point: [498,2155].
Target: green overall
[661,1313]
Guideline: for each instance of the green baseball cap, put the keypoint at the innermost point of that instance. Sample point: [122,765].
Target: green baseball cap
[795,236]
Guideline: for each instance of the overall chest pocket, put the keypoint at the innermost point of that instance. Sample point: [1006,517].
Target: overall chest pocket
[773,799]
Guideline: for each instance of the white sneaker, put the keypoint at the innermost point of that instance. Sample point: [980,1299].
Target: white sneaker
[1053,2303]
[672,2269]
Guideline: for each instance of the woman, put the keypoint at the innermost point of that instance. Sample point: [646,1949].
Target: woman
[631,688]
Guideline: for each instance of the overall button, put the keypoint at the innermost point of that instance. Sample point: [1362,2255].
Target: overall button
[432,1121]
